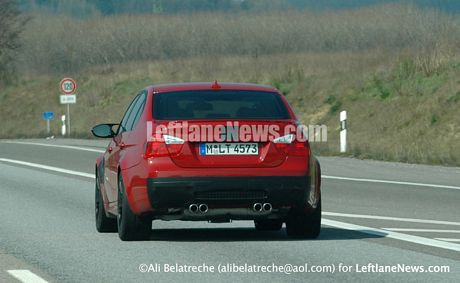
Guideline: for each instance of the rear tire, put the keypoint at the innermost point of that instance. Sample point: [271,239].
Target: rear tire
[303,225]
[130,226]
[268,224]
[104,224]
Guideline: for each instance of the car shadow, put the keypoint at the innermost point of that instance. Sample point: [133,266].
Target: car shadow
[249,234]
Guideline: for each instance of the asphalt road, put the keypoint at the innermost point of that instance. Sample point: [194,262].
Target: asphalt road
[376,215]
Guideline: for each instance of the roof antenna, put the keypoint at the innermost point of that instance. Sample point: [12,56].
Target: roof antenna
[216,85]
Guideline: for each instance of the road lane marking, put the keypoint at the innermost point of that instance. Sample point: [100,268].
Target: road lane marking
[392,235]
[448,239]
[333,223]
[362,216]
[413,220]
[49,168]
[390,182]
[422,230]
[57,145]
[26,276]
[323,176]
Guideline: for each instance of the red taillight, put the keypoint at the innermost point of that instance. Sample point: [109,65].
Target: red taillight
[155,149]
[289,145]
[216,85]
[299,149]
[174,149]
[167,146]
[283,143]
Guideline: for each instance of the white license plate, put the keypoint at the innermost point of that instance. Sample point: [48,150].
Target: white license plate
[229,148]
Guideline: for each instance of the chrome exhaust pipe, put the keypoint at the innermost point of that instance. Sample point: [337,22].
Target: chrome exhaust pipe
[267,207]
[257,207]
[203,208]
[193,208]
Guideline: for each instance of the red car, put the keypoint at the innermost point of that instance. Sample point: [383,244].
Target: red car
[207,152]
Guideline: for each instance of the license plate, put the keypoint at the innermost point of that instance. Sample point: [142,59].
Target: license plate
[229,149]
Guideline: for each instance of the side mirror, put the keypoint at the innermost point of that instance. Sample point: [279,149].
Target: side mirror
[103,130]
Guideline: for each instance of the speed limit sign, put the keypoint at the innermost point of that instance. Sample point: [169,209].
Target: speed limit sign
[68,86]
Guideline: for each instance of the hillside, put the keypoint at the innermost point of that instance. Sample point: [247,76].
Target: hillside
[399,113]
[85,8]
[394,69]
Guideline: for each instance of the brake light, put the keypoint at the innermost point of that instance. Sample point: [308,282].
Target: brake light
[289,145]
[216,85]
[300,149]
[282,143]
[155,149]
[169,145]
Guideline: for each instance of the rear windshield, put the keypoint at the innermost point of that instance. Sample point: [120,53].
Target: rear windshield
[219,104]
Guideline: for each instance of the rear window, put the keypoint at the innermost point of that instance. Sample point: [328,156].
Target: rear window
[219,104]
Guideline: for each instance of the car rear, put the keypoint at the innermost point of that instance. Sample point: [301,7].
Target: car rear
[226,153]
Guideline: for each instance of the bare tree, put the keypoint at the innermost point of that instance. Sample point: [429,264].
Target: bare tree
[11,24]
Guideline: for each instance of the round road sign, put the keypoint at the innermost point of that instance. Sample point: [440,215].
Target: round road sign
[67,86]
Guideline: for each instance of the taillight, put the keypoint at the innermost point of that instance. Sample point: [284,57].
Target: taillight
[169,145]
[283,143]
[289,145]
[299,149]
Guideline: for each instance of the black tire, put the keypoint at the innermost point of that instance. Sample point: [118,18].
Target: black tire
[268,224]
[130,226]
[303,225]
[104,224]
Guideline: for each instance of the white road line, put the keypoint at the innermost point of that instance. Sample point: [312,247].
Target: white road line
[57,145]
[422,230]
[413,220]
[393,235]
[46,167]
[26,276]
[333,223]
[358,216]
[448,239]
[390,182]
[323,176]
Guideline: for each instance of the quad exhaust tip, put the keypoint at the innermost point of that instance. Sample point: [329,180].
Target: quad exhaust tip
[193,208]
[267,207]
[257,207]
[203,208]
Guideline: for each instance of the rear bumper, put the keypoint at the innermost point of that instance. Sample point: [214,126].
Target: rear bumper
[180,192]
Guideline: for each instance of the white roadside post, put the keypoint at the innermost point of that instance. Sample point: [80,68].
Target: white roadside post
[68,119]
[343,131]
[63,129]
[68,86]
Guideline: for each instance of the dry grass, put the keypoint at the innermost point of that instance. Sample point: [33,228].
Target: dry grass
[59,44]
[395,69]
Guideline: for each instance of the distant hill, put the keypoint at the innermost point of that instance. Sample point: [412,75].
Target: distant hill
[87,8]
[394,68]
